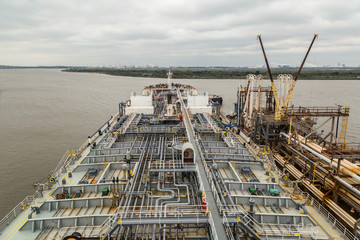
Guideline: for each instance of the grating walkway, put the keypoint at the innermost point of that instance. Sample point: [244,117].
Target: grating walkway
[216,219]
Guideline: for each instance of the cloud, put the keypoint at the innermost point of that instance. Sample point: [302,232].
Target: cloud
[177,32]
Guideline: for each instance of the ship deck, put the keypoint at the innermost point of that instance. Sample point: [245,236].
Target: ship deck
[134,179]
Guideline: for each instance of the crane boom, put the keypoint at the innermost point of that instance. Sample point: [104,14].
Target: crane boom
[266,61]
[297,76]
[278,107]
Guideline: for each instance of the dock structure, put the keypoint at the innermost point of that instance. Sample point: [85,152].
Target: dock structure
[308,144]
[320,162]
[165,168]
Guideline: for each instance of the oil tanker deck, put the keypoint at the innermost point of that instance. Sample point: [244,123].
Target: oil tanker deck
[163,168]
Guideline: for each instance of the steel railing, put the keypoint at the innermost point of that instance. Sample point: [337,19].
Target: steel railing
[227,228]
[5,221]
[137,212]
[333,220]
[341,109]
[127,123]
[164,211]
[169,165]
[213,234]
[273,229]
[322,210]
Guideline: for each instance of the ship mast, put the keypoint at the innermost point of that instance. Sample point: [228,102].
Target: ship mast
[169,80]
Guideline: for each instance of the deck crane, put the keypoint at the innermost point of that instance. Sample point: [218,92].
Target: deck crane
[281,110]
[277,102]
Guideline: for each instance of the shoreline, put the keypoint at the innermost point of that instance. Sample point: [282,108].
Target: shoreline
[307,74]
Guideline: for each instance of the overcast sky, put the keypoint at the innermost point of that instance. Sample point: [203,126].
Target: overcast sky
[178,32]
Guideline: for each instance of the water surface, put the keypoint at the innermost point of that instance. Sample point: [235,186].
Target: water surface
[45,112]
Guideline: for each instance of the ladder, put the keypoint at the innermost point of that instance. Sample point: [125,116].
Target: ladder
[344,124]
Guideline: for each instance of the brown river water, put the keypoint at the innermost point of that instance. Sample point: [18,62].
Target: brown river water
[45,112]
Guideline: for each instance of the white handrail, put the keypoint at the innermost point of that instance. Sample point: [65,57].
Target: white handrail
[15,211]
